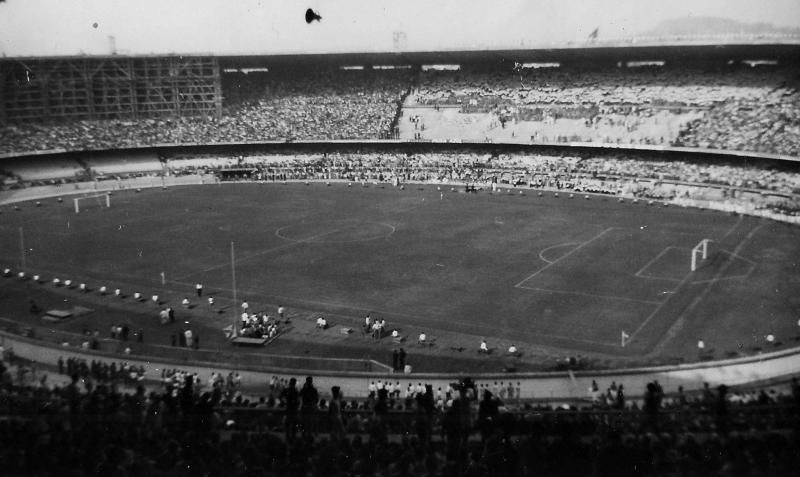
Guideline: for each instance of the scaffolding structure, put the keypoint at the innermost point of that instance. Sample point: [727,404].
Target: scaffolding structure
[54,89]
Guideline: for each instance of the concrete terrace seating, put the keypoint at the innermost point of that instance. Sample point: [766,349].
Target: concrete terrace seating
[125,164]
[39,170]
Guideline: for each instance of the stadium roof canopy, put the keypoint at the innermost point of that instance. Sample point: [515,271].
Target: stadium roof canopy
[570,55]
[588,54]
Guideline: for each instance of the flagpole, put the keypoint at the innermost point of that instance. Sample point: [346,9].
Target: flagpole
[233,277]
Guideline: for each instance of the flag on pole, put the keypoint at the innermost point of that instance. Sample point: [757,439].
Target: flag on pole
[625,336]
[230,331]
[594,33]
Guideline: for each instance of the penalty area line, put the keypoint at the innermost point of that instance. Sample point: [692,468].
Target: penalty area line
[541,254]
[584,244]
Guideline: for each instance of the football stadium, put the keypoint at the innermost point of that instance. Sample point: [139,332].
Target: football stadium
[572,257]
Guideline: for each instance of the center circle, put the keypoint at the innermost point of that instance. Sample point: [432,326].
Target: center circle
[342,231]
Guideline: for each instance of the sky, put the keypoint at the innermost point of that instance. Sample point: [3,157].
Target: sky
[66,27]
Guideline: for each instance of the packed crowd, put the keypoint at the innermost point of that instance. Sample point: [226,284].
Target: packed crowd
[621,87]
[753,109]
[770,123]
[101,372]
[75,430]
[324,105]
[471,167]
[259,325]
[608,173]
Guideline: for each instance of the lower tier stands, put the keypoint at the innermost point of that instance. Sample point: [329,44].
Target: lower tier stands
[90,428]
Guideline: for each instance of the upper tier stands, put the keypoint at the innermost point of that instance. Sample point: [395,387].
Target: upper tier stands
[645,87]
[257,107]
[753,109]
[750,109]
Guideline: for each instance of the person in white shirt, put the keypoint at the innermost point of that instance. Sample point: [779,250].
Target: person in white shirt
[199,289]
[484,347]
[367,324]
[422,338]
[164,316]
[185,302]
[512,349]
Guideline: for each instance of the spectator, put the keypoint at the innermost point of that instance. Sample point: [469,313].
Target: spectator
[291,399]
[309,399]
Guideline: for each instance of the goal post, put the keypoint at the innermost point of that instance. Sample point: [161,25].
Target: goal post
[700,250]
[99,199]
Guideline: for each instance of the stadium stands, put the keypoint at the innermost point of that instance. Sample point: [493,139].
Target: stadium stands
[188,426]
[740,109]
[614,173]
[324,106]
[752,109]
[25,170]
[81,428]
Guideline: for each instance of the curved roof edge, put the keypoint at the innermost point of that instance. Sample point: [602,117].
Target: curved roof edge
[577,146]
[584,53]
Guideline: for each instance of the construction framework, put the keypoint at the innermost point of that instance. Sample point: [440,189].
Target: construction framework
[114,87]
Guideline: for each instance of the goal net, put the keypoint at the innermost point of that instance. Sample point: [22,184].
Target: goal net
[102,200]
[699,253]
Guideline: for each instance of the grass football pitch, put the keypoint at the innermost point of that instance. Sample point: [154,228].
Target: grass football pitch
[535,270]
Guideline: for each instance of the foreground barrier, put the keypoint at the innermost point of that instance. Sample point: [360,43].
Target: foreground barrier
[566,385]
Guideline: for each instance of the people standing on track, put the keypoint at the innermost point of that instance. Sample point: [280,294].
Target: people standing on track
[282,313]
[199,289]
[367,324]
[484,348]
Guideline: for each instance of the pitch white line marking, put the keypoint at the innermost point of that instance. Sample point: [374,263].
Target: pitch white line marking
[702,294]
[591,295]
[730,230]
[541,254]
[393,229]
[518,285]
[654,260]
[258,254]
